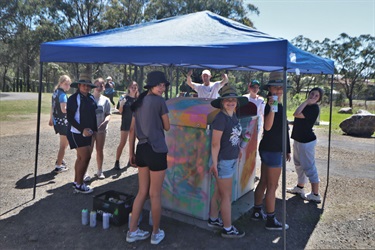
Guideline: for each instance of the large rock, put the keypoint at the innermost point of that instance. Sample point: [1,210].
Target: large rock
[348,110]
[362,125]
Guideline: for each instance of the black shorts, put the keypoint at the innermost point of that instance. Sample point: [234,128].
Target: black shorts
[147,157]
[125,125]
[60,129]
[78,140]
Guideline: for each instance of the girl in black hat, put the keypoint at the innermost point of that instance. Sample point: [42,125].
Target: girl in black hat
[271,155]
[226,136]
[150,120]
[81,114]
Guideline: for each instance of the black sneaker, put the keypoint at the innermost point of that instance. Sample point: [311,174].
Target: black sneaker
[258,215]
[274,224]
[117,166]
[232,233]
[217,224]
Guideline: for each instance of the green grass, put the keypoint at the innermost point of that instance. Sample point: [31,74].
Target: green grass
[336,117]
[14,110]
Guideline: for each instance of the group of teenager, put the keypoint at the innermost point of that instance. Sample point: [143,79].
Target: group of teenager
[226,131]
[147,120]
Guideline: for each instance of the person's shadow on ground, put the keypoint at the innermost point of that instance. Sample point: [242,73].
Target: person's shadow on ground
[28,180]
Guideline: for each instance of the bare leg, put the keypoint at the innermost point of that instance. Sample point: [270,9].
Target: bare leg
[142,195]
[273,175]
[82,162]
[261,187]
[100,141]
[225,189]
[215,202]
[63,145]
[156,183]
[123,139]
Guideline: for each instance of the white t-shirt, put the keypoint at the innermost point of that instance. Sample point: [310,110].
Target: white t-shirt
[210,91]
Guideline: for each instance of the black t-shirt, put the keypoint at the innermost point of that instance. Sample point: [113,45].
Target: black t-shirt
[230,139]
[272,139]
[302,128]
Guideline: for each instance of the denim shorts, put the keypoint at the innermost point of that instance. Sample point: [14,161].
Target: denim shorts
[225,168]
[271,159]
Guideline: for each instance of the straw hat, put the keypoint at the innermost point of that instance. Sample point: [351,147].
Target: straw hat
[229,92]
[84,78]
[276,79]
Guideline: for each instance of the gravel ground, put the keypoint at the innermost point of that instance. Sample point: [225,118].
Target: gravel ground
[345,220]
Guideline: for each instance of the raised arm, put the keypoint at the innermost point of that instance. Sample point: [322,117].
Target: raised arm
[188,79]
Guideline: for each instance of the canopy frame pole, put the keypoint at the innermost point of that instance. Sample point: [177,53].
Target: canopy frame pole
[38,128]
[284,148]
[329,142]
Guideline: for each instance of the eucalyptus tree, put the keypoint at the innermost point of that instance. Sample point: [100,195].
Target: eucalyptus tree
[354,61]
[236,9]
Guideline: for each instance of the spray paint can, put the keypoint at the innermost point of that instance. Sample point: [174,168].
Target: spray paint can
[274,107]
[245,139]
[85,217]
[93,219]
[105,220]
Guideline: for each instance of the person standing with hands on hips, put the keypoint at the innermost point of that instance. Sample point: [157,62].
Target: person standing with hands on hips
[208,89]
[271,154]
[81,114]
[304,146]
[150,120]
[225,148]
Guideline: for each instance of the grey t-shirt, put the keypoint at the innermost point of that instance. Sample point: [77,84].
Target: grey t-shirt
[148,122]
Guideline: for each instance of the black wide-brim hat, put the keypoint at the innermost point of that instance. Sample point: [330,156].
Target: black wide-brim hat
[154,78]
[84,78]
[229,92]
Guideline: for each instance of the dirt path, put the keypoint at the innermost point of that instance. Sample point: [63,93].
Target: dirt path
[346,220]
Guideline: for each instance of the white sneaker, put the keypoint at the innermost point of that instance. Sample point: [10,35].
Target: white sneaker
[156,238]
[60,168]
[100,175]
[295,190]
[137,235]
[86,178]
[312,197]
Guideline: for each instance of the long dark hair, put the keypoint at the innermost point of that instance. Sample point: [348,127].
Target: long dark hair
[139,101]
[320,92]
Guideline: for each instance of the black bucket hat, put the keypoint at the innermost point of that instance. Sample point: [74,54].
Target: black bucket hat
[154,78]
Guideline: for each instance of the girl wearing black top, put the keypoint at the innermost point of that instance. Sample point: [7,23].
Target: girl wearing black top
[270,151]
[81,114]
[304,146]
[126,117]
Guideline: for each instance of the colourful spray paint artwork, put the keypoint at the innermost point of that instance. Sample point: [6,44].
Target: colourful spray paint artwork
[187,187]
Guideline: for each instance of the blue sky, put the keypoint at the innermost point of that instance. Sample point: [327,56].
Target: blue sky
[316,20]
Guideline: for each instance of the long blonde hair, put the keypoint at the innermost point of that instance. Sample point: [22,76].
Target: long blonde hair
[62,79]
